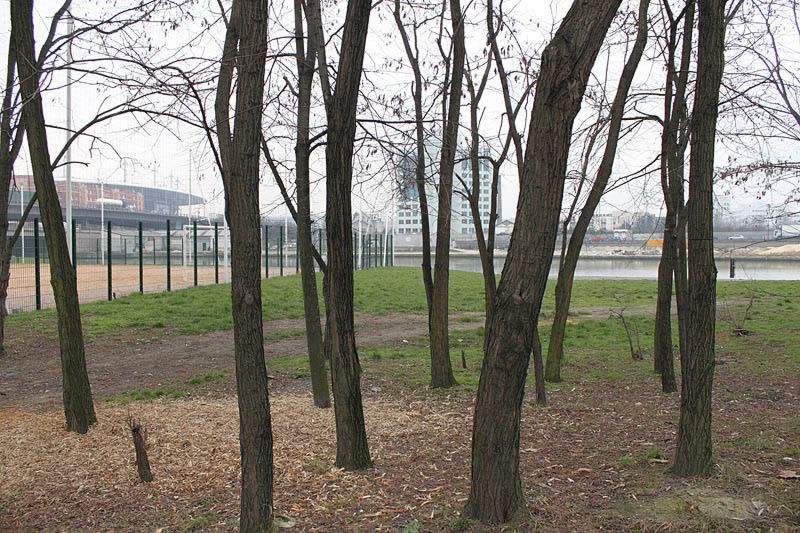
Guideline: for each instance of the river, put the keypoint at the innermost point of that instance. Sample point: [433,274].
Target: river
[640,267]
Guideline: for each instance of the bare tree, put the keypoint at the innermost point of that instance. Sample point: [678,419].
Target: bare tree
[566,272]
[496,488]
[674,140]
[352,448]
[305,60]
[78,405]
[693,453]
[417,90]
[441,367]
[244,53]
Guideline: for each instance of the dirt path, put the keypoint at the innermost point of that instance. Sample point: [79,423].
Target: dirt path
[133,359]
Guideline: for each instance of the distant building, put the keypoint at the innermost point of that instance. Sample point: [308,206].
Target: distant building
[409,220]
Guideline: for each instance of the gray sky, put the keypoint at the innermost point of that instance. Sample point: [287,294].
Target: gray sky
[177,157]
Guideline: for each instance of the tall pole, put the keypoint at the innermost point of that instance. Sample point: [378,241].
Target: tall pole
[68,155]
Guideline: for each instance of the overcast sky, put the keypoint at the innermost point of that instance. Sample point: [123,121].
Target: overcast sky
[180,156]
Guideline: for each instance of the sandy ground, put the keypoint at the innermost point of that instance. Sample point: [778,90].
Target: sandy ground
[93,281]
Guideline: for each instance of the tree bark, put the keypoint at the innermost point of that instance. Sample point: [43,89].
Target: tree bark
[352,448]
[496,490]
[77,394]
[673,146]
[245,51]
[566,273]
[694,448]
[305,70]
[441,367]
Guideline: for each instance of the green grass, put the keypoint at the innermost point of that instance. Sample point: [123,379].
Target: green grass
[145,395]
[208,376]
[383,290]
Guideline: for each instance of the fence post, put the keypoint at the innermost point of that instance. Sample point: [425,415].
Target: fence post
[297,253]
[319,238]
[74,247]
[266,251]
[216,253]
[280,246]
[110,293]
[141,260]
[194,249]
[369,251]
[37,264]
[169,260]
[355,252]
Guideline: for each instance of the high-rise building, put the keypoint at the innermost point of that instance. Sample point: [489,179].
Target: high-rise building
[409,220]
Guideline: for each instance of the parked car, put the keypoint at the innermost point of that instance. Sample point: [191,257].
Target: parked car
[739,237]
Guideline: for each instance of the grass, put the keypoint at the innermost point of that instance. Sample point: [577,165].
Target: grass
[377,290]
[145,395]
[208,376]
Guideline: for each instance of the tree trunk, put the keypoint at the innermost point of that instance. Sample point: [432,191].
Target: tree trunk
[663,358]
[673,256]
[441,367]
[305,68]
[78,406]
[352,449]
[496,490]
[245,51]
[538,369]
[566,272]
[693,453]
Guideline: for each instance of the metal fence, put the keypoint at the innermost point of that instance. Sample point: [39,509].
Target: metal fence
[116,258]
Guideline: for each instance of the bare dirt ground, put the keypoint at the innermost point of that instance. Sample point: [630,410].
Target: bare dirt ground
[595,459]
[93,281]
[131,359]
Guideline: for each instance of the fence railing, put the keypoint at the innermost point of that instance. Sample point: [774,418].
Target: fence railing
[115,259]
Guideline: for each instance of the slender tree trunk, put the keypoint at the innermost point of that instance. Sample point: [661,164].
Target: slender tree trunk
[496,489]
[245,51]
[694,448]
[305,68]
[77,394]
[5,251]
[662,340]
[419,166]
[672,162]
[538,369]
[441,367]
[566,272]
[352,448]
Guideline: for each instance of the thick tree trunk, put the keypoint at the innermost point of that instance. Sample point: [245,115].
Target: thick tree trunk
[77,394]
[245,51]
[441,367]
[694,448]
[305,68]
[352,449]
[569,263]
[496,490]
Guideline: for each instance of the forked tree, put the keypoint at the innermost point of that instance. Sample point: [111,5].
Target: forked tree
[244,54]
[496,486]
[693,452]
[352,448]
